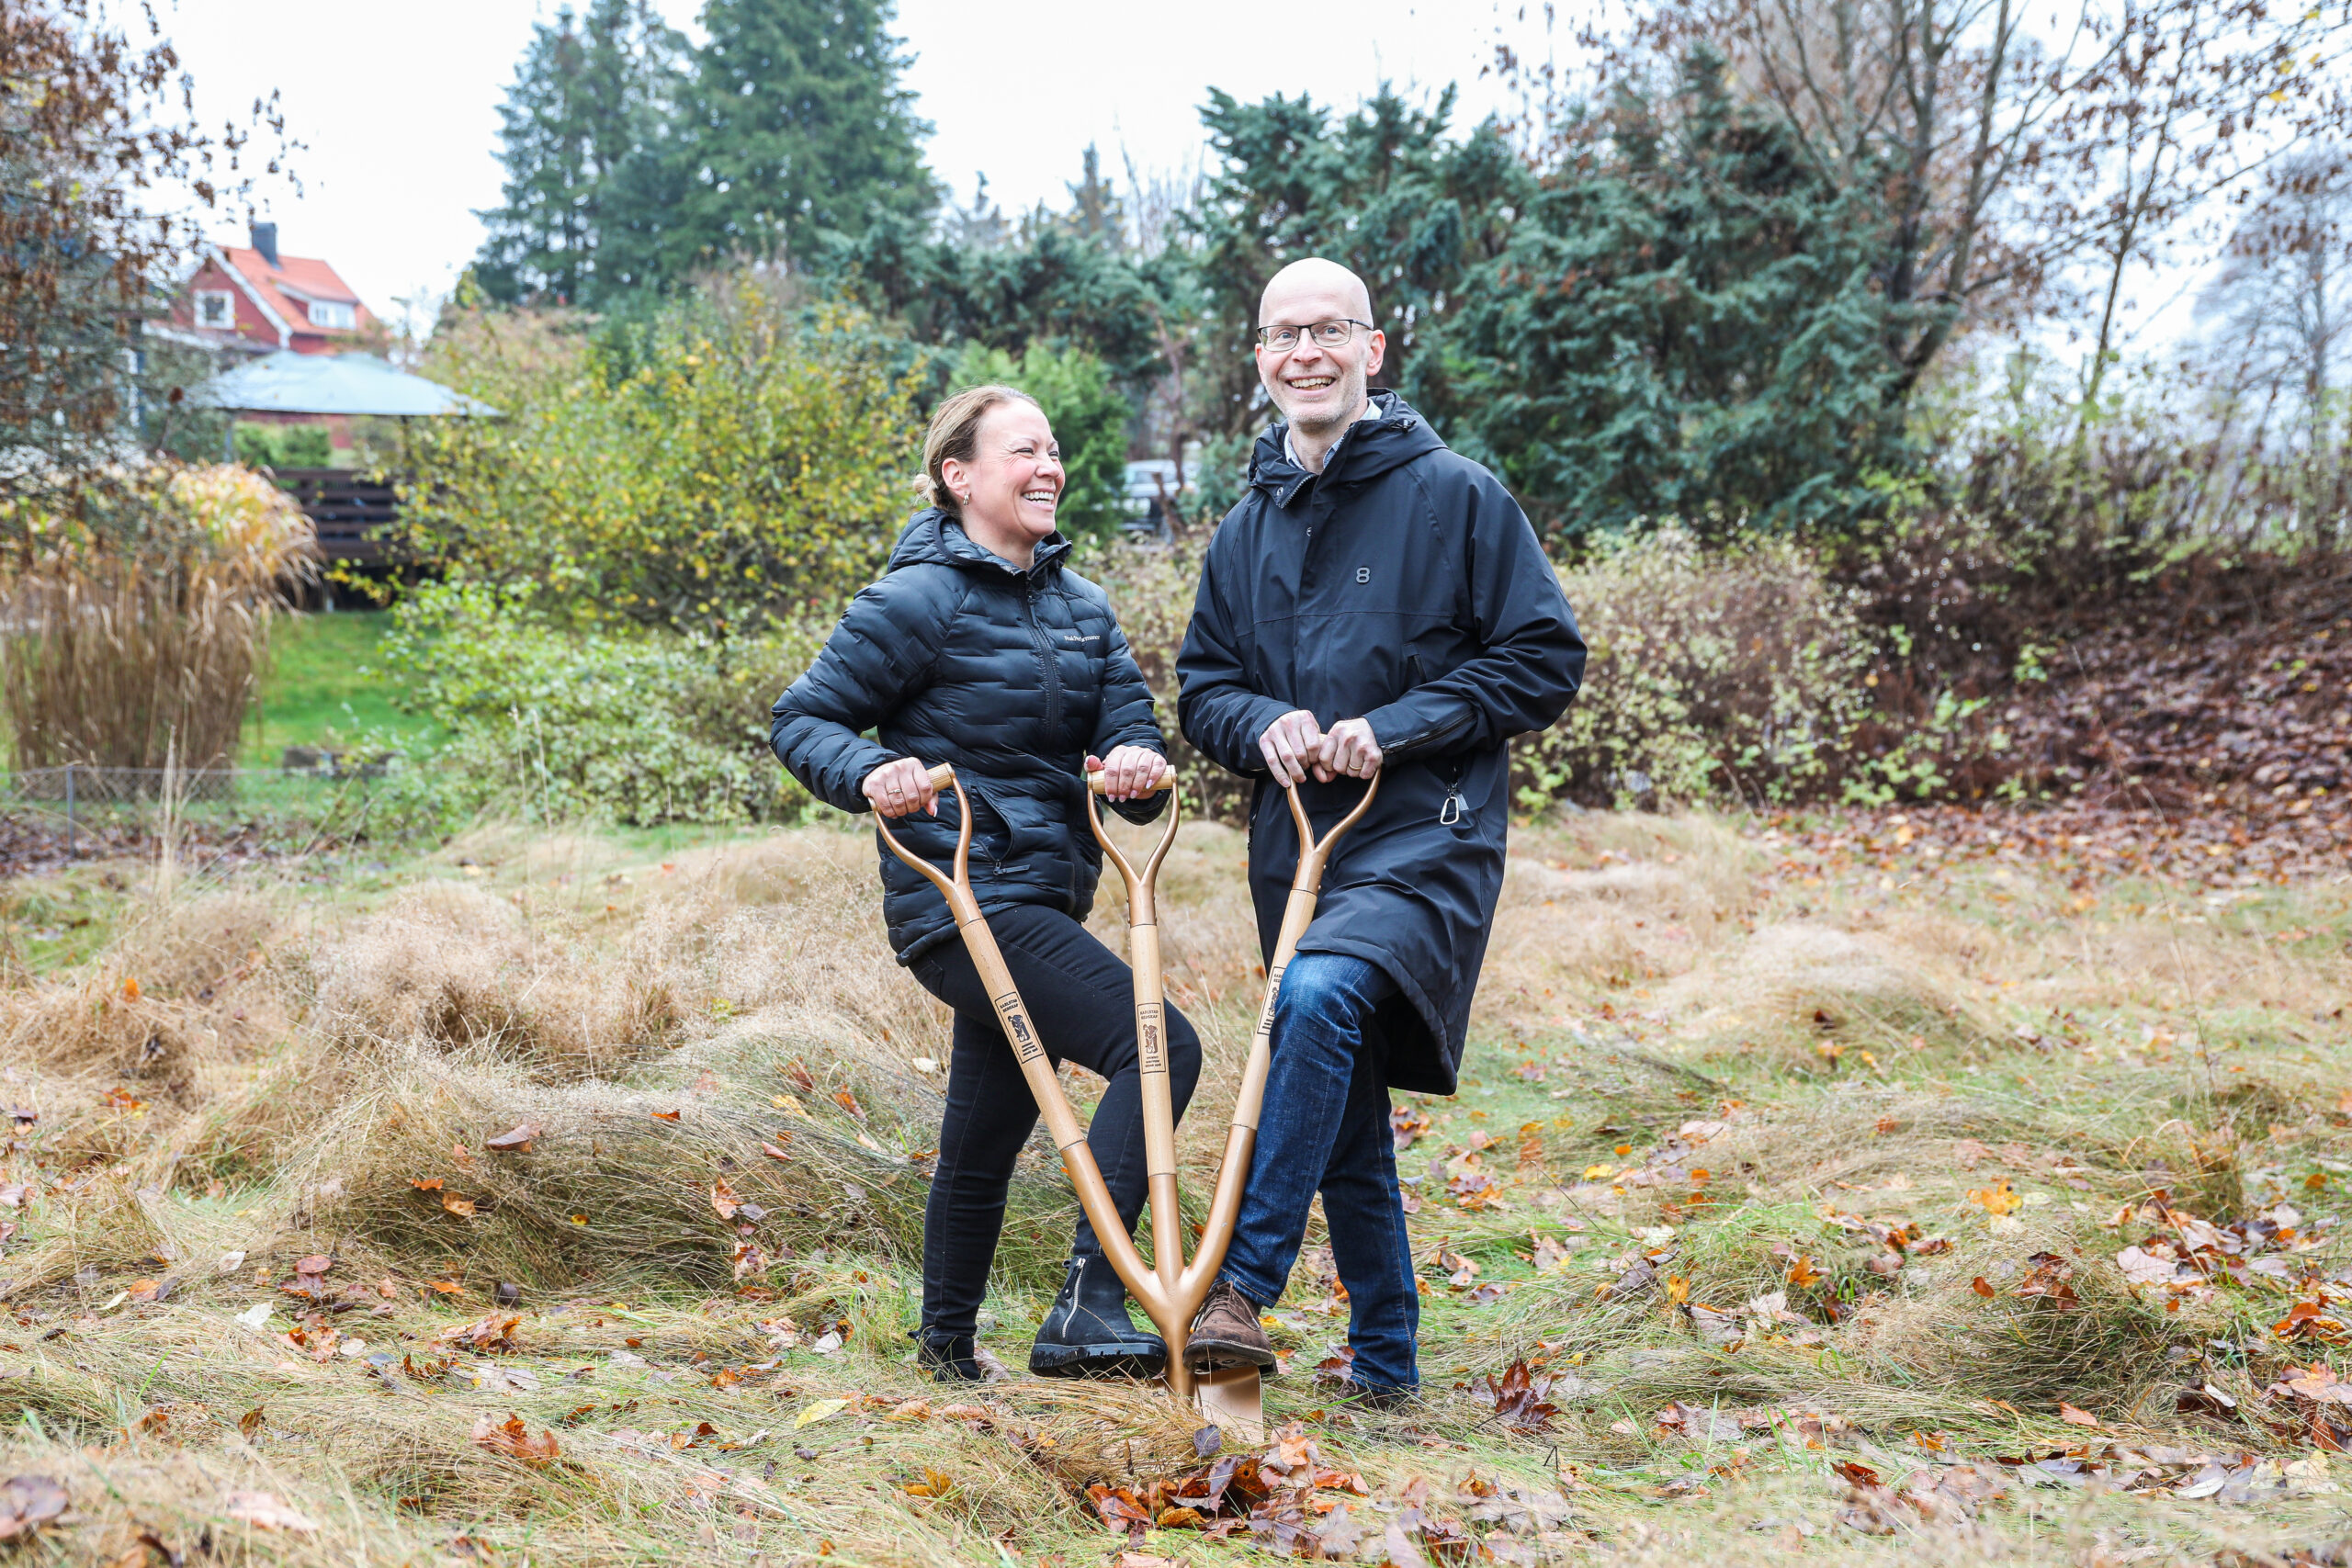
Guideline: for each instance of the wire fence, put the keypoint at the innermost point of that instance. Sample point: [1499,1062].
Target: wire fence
[81,797]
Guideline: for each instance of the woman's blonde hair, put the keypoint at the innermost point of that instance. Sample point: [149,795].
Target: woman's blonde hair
[956,432]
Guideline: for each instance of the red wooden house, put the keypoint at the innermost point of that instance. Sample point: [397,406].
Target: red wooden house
[248,301]
[253,299]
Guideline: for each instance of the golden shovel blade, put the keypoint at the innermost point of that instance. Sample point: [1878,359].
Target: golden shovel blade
[1232,1400]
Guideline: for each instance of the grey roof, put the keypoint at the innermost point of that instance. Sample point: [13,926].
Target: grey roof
[287,382]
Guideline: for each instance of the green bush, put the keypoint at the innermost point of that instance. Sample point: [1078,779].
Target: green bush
[733,464]
[1737,673]
[554,724]
[283,445]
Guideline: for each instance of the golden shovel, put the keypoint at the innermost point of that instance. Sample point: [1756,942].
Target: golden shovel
[1234,1395]
[1170,1293]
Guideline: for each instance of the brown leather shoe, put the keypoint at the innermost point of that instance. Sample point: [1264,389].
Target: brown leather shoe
[1225,1333]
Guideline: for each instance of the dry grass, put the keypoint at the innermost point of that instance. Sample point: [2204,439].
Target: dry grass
[1660,996]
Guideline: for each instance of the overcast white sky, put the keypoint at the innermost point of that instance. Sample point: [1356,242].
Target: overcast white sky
[398,106]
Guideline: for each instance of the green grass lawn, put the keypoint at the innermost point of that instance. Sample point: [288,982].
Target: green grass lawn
[327,683]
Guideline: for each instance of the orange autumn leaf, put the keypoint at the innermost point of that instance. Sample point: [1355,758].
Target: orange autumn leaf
[723,1199]
[1982,1289]
[848,1103]
[515,1140]
[130,989]
[2075,1416]
[425,1184]
[1802,1274]
[1996,1199]
[461,1207]
[513,1439]
[774,1153]
[666,1115]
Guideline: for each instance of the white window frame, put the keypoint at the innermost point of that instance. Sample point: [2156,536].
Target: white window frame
[223,299]
[333,314]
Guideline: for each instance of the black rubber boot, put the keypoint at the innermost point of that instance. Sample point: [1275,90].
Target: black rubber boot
[1087,1332]
[948,1358]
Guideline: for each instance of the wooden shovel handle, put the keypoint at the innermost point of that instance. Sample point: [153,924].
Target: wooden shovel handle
[1314,852]
[957,888]
[1152,1056]
[1140,911]
[1095,784]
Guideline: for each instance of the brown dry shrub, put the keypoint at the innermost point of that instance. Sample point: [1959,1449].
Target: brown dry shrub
[641,1184]
[456,967]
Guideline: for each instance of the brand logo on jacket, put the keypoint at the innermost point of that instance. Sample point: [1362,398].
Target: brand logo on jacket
[1364,574]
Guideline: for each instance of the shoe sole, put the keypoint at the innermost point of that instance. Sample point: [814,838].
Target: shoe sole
[1222,1355]
[1095,1361]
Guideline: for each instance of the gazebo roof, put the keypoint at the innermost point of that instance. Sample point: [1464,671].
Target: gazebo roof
[287,382]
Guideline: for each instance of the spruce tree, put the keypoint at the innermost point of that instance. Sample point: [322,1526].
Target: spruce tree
[797,126]
[592,91]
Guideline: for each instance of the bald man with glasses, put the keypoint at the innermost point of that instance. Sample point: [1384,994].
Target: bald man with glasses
[1374,604]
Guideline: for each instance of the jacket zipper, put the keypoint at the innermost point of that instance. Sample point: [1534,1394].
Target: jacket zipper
[1049,667]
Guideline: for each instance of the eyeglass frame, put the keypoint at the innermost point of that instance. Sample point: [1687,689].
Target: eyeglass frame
[1308,331]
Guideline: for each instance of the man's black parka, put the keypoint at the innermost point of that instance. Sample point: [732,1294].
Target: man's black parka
[956,655]
[1401,585]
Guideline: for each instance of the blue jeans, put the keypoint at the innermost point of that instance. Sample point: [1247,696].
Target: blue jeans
[1326,1126]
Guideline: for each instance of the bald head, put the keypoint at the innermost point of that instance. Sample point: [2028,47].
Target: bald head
[1314,289]
[1321,387]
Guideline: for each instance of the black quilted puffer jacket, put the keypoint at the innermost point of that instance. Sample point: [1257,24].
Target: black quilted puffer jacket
[958,656]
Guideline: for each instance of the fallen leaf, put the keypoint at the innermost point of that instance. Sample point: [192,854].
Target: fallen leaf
[774,1153]
[425,1184]
[488,1336]
[516,1140]
[723,1199]
[666,1115]
[462,1207]
[514,1440]
[1982,1289]
[1518,1397]
[265,1512]
[1996,1199]
[2142,1266]
[2075,1416]
[255,1315]
[848,1103]
[822,1410]
[316,1263]
[29,1502]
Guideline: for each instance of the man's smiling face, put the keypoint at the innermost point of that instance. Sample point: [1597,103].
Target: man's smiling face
[1319,388]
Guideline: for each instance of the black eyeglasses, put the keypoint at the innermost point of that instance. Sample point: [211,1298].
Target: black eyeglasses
[1327,335]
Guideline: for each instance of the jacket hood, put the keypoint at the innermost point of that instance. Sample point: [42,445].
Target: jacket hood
[1395,435]
[932,537]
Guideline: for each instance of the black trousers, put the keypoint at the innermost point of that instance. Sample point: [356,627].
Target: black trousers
[1080,996]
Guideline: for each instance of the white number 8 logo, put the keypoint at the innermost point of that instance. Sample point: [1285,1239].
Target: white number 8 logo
[1364,574]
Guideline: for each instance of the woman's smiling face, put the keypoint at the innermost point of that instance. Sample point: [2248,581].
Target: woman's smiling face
[1010,490]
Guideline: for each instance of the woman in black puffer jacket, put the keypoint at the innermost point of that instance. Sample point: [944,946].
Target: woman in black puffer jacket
[977,648]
